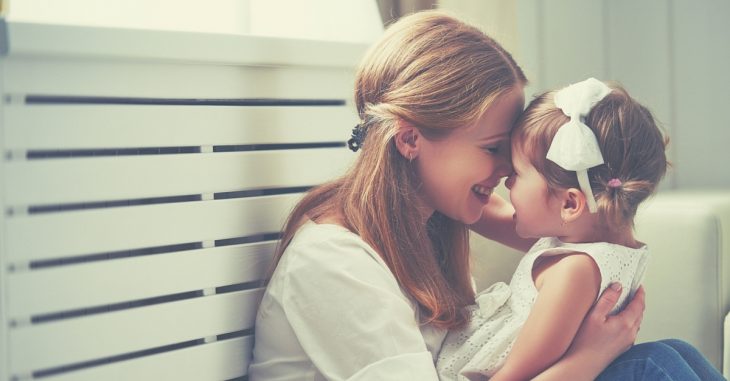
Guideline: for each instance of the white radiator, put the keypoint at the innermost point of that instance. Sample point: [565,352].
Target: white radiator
[145,177]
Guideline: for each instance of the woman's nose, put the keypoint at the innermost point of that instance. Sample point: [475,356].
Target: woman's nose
[510,181]
[505,165]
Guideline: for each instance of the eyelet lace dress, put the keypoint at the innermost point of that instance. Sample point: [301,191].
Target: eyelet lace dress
[478,350]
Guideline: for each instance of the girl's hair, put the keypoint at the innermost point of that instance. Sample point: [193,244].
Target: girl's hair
[632,145]
[438,74]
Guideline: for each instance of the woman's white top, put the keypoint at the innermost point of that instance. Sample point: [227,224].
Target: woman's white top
[334,311]
[480,349]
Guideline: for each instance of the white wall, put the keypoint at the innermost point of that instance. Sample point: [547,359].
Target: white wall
[344,20]
[227,16]
[340,20]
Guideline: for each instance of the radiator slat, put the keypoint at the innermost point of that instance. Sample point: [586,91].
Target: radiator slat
[115,281]
[223,360]
[66,342]
[59,235]
[103,126]
[93,179]
[107,78]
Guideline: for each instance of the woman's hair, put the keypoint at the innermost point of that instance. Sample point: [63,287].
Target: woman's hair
[632,145]
[437,74]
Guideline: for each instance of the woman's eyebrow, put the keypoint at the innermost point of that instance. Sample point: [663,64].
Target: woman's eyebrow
[501,136]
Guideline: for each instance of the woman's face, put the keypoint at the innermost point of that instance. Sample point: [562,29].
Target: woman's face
[458,173]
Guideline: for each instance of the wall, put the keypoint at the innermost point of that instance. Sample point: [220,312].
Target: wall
[354,20]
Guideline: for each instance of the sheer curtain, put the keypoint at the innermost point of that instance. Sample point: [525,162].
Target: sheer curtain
[391,10]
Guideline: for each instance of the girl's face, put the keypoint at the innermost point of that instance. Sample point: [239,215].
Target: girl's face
[458,173]
[537,211]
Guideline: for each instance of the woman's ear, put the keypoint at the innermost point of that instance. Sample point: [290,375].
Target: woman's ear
[573,203]
[407,140]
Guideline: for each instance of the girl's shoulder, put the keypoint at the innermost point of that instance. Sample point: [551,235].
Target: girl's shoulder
[554,246]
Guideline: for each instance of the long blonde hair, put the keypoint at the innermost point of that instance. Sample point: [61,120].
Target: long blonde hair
[438,74]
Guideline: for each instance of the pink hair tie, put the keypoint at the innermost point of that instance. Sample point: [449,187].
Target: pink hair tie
[614,183]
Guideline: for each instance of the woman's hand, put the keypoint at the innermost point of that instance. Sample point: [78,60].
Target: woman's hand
[605,337]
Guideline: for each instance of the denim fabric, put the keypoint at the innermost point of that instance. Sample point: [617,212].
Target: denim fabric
[665,360]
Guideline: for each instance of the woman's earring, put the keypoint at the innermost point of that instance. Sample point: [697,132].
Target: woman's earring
[410,156]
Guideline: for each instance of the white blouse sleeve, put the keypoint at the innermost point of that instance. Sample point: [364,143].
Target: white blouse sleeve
[350,315]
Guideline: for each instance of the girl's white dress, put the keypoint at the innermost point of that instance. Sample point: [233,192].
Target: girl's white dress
[477,351]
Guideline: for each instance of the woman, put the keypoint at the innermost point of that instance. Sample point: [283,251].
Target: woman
[373,268]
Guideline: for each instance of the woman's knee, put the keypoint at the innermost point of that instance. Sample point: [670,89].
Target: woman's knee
[679,345]
[694,358]
[654,349]
[649,361]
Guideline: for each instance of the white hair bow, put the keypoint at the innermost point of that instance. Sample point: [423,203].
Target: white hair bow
[575,147]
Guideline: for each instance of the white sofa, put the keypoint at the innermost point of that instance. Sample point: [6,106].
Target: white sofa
[688,279]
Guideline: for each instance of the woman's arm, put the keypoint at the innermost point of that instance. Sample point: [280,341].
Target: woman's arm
[567,287]
[600,339]
[497,224]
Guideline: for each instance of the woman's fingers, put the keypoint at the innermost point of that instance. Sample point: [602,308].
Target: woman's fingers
[634,311]
[630,318]
[606,302]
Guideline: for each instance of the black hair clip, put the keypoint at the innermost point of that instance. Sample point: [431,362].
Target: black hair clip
[358,137]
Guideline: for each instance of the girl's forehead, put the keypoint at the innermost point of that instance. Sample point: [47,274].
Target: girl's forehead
[519,157]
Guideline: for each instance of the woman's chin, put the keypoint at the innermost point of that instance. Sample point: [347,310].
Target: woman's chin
[524,233]
[473,219]
[468,216]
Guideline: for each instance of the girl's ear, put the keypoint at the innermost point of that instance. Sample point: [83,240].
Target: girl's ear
[408,140]
[573,204]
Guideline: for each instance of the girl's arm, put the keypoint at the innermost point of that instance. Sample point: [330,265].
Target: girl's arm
[567,287]
[498,225]
[601,338]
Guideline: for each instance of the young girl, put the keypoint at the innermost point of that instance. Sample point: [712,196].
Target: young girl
[584,158]
[373,267]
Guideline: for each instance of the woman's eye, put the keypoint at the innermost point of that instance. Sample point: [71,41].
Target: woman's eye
[491,149]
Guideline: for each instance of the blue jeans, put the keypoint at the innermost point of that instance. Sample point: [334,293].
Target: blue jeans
[665,360]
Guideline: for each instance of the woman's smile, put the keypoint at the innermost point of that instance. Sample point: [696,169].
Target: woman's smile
[482,193]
